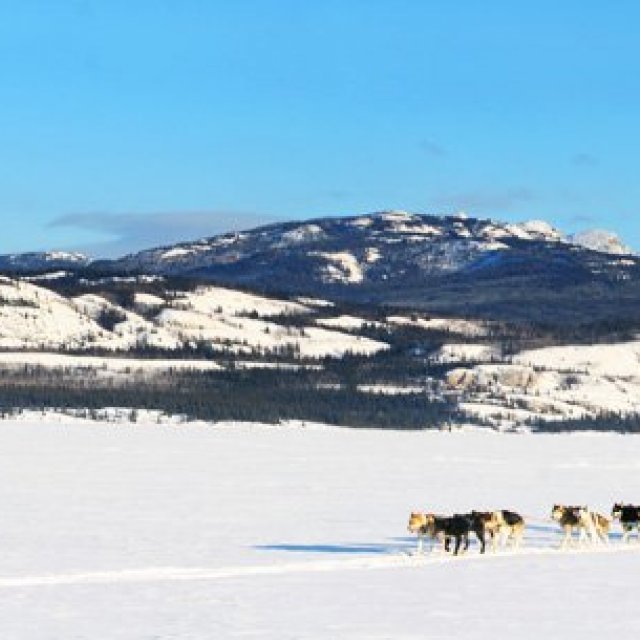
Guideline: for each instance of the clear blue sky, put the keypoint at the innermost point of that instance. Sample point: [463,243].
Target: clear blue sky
[125,124]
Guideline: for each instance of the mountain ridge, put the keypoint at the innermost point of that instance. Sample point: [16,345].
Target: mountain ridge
[448,265]
[599,240]
[453,265]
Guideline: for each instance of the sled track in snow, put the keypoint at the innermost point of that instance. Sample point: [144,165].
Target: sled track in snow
[189,574]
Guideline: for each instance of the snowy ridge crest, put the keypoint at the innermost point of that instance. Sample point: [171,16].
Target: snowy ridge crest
[601,240]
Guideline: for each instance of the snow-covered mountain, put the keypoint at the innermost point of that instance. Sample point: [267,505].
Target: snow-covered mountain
[447,265]
[349,250]
[353,250]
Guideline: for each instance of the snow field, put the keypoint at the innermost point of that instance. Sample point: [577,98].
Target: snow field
[569,381]
[235,531]
[33,317]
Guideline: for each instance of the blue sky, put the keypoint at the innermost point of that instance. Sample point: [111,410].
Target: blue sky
[130,124]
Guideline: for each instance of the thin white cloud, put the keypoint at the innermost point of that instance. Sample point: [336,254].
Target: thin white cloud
[129,232]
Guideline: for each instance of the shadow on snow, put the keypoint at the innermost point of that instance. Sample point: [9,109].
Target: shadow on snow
[354,548]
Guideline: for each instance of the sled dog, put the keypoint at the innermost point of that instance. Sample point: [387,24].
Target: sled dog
[502,526]
[628,516]
[511,527]
[572,518]
[599,526]
[418,525]
[443,528]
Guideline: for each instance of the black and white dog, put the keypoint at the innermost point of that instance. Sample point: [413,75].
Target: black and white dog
[629,517]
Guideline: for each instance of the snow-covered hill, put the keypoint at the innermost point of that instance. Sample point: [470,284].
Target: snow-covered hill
[34,317]
[553,383]
[43,328]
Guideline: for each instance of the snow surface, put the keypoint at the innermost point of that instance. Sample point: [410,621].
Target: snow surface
[147,301]
[395,215]
[459,352]
[18,359]
[209,299]
[347,322]
[474,328]
[361,222]
[428,230]
[601,240]
[550,383]
[315,302]
[617,359]
[372,255]
[239,334]
[537,230]
[341,266]
[126,532]
[303,233]
[52,275]
[65,255]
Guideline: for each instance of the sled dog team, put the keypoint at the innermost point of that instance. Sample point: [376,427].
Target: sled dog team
[505,527]
[499,525]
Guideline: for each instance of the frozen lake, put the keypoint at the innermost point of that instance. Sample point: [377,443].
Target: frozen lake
[146,531]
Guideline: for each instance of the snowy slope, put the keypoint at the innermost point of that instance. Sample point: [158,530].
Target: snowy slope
[33,317]
[601,240]
[128,532]
[449,325]
[569,381]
